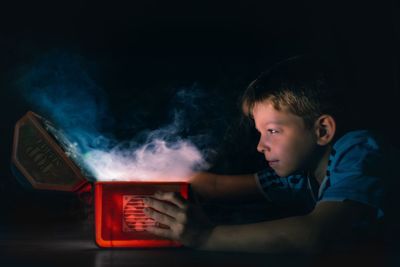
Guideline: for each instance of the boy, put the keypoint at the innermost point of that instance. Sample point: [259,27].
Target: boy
[315,161]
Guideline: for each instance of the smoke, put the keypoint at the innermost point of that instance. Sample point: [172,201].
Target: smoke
[58,86]
[156,160]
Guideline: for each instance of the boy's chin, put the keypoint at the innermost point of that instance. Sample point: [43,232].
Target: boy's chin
[283,173]
[280,173]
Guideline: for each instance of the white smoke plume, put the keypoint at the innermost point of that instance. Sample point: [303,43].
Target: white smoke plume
[59,87]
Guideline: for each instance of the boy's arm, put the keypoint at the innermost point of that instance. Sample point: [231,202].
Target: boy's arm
[212,186]
[329,223]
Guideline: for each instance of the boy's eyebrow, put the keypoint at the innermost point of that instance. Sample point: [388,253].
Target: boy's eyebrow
[278,122]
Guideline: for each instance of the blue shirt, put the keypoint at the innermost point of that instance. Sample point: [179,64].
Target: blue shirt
[356,171]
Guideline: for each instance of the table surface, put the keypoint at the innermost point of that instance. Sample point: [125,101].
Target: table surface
[73,245]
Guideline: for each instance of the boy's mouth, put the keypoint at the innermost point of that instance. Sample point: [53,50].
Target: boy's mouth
[272,162]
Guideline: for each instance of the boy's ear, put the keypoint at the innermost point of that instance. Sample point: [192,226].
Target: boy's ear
[325,128]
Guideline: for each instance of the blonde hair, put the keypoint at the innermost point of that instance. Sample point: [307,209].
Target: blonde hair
[302,85]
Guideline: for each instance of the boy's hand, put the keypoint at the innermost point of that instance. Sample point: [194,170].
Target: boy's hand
[186,221]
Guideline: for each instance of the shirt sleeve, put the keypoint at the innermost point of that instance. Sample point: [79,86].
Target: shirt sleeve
[293,190]
[356,173]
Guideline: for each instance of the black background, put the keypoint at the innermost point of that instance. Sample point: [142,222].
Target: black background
[143,50]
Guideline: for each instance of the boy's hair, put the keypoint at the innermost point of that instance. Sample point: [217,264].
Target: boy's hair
[308,86]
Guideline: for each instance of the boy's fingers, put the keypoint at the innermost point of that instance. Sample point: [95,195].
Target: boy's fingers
[159,217]
[166,233]
[172,197]
[161,206]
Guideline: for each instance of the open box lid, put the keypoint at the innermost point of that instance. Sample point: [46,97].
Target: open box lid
[40,159]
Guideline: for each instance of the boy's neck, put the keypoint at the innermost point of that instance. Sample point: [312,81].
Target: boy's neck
[320,170]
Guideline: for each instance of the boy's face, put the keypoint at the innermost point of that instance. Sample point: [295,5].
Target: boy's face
[285,141]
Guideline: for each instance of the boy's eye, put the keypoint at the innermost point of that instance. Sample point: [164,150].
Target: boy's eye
[272,131]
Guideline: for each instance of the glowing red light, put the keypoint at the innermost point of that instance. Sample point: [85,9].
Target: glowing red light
[119,217]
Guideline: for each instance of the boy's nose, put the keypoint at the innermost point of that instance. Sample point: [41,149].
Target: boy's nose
[262,147]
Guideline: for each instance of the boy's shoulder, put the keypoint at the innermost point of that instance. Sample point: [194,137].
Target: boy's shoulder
[355,148]
[357,170]
[366,151]
[357,137]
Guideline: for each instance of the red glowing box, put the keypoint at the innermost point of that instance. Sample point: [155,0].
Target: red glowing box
[119,217]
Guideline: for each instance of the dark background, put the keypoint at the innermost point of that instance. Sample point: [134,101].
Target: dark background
[140,52]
